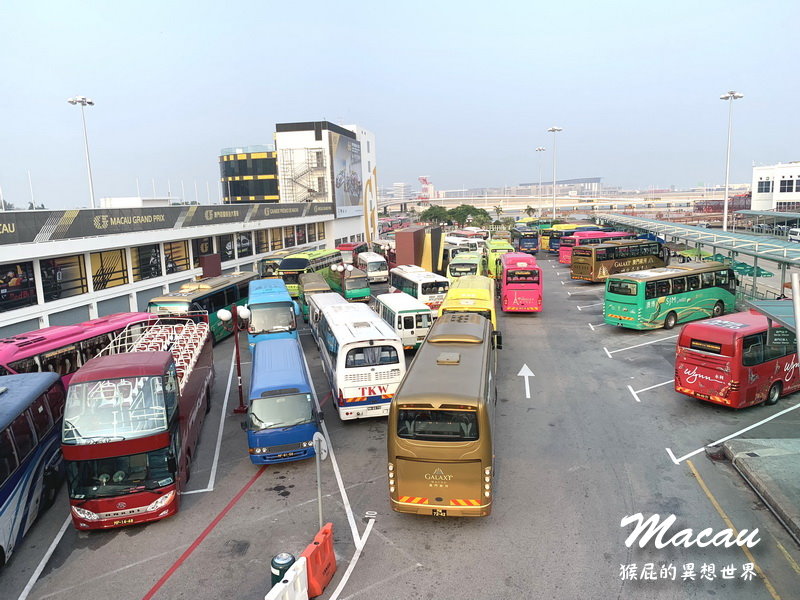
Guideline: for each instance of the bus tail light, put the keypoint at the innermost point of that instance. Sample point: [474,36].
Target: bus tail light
[391,477]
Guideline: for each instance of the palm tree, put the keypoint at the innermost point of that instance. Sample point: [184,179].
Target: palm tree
[498,210]
[529,210]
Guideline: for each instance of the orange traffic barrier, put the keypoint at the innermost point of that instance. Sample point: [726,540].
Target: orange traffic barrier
[320,561]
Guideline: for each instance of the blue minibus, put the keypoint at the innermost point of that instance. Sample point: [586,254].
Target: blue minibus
[273,313]
[31,467]
[282,417]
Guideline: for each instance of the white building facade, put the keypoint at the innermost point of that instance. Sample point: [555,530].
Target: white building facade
[777,187]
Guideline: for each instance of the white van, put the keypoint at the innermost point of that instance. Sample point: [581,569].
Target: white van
[409,317]
[794,235]
[374,265]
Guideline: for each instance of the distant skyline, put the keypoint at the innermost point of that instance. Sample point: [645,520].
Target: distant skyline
[462,92]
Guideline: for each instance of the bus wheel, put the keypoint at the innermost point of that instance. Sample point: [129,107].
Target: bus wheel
[671,320]
[718,309]
[773,394]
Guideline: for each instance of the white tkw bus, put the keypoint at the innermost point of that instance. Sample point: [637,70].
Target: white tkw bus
[363,359]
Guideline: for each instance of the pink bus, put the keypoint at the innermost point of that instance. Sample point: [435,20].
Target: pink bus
[520,283]
[63,349]
[581,238]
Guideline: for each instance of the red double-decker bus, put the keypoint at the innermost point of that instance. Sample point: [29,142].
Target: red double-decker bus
[132,420]
[63,349]
[351,250]
[731,360]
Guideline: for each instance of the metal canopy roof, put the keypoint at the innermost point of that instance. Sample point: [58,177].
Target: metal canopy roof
[792,216]
[780,311]
[759,246]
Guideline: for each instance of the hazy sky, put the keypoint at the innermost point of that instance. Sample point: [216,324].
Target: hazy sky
[460,91]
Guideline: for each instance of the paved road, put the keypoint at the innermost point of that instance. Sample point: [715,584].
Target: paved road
[587,449]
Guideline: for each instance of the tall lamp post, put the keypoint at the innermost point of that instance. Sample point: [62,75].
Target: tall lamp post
[539,189]
[554,131]
[84,102]
[730,97]
[235,320]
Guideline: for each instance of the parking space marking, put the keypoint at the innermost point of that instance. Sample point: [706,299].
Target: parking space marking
[356,555]
[610,352]
[590,305]
[637,392]
[43,563]
[593,326]
[678,461]
[729,524]
[215,463]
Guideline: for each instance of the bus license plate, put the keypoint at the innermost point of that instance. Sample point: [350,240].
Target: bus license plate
[122,522]
[376,407]
[439,512]
[702,396]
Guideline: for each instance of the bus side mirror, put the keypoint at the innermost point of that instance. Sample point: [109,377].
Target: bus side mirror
[320,416]
[172,464]
[296,308]
[497,337]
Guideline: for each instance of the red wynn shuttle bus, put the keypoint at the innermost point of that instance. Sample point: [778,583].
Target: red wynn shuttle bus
[732,361]
[132,420]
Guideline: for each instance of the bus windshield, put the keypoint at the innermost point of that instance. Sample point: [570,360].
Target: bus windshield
[271,317]
[104,477]
[624,288]
[356,283]
[280,411]
[435,287]
[458,270]
[371,356]
[438,425]
[294,264]
[528,241]
[116,409]
[376,266]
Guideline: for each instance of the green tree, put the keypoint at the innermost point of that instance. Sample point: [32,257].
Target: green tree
[435,214]
[483,221]
[498,210]
[529,210]
[508,222]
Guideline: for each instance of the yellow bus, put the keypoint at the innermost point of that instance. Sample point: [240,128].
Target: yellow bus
[495,249]
[471,294]
[596,262]
[544,236]
[440,451]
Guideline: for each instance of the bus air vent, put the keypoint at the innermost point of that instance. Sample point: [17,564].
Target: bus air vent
[449,358]
[360,324]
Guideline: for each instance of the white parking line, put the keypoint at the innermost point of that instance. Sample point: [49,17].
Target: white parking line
[590,305]
[637,392]
[42,563]
[359,547]
[678,461]
[610,352]
[592,327]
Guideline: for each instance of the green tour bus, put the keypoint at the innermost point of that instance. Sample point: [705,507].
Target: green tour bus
[351,283]
[310,284]
[210,294]
[466,263]
[496,248]
[312,261]
[665,296]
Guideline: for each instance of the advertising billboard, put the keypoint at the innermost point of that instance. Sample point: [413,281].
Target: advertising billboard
[347,183]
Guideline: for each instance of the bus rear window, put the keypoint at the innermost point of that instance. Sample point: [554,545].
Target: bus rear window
[371,356]
[438,425]
[522,276]
[624,288]
[435,287]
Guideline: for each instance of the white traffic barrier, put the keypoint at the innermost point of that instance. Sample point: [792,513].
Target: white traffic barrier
[293,586]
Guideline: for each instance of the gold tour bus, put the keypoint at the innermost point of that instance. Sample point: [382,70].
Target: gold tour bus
[440,422]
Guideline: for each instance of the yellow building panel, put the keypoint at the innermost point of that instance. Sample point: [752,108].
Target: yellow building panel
[241,157]
[265,176]
[258,155]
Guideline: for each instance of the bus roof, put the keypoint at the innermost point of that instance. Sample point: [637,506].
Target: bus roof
[326,299]
[467,257]
[498,245]
[370,256]
[450,364]
[400,301]
[518,259]
[350,245]
[18,391]
[728,326]
[418,274]
[266,287]
[211,283]
[688,268]
[57,336]
[128,364]
[311,253]
[597,234]
[351,322]
[471,283]
[313,282]
[278,365]
[618,243]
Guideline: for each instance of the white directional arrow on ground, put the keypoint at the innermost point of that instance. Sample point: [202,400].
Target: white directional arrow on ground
[526,372]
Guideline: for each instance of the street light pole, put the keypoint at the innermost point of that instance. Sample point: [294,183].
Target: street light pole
[84,102]
[554,131]
[730,97]
[230,320]
[539,189]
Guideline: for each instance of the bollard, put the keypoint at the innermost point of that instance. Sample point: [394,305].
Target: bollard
[279,564]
